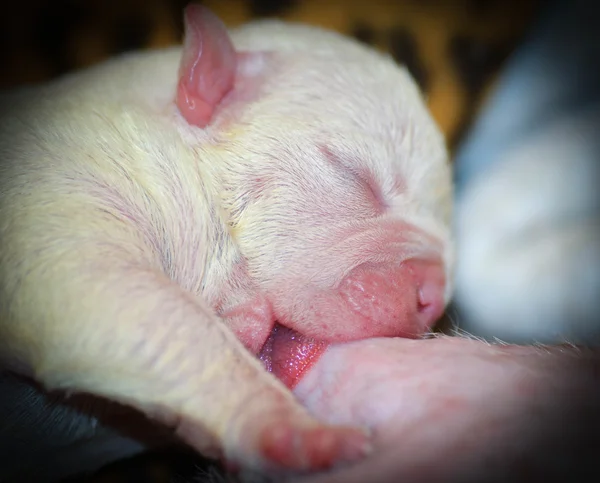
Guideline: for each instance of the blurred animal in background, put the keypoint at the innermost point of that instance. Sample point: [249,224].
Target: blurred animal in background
[528,197]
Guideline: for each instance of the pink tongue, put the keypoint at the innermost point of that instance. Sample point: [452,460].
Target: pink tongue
[289,354]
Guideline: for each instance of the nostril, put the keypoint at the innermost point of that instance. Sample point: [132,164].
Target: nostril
[401,299]
[430,296]
[429,309]
[422,303]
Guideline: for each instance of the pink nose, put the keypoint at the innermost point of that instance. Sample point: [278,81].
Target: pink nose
[400,300]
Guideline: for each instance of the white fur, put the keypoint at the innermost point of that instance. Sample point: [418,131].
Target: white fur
[122,226]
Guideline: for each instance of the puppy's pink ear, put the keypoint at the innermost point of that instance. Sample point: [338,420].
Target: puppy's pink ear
[207,68]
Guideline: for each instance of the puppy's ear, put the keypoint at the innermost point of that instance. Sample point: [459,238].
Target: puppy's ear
[207,68]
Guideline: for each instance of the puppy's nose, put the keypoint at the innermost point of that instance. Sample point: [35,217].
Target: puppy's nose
[399,300]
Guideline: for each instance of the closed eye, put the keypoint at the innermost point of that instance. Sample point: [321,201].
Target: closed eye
[365,180]
[371,188]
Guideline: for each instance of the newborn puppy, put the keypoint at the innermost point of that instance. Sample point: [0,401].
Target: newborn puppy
[171,217]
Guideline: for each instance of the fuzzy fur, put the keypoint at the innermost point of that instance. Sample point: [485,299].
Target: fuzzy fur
[122,222]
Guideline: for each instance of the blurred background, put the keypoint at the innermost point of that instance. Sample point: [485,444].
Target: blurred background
[454,48]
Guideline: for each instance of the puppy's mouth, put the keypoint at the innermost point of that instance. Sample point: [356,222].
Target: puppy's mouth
[289,354]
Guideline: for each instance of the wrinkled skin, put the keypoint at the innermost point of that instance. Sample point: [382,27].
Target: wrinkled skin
[458,410]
